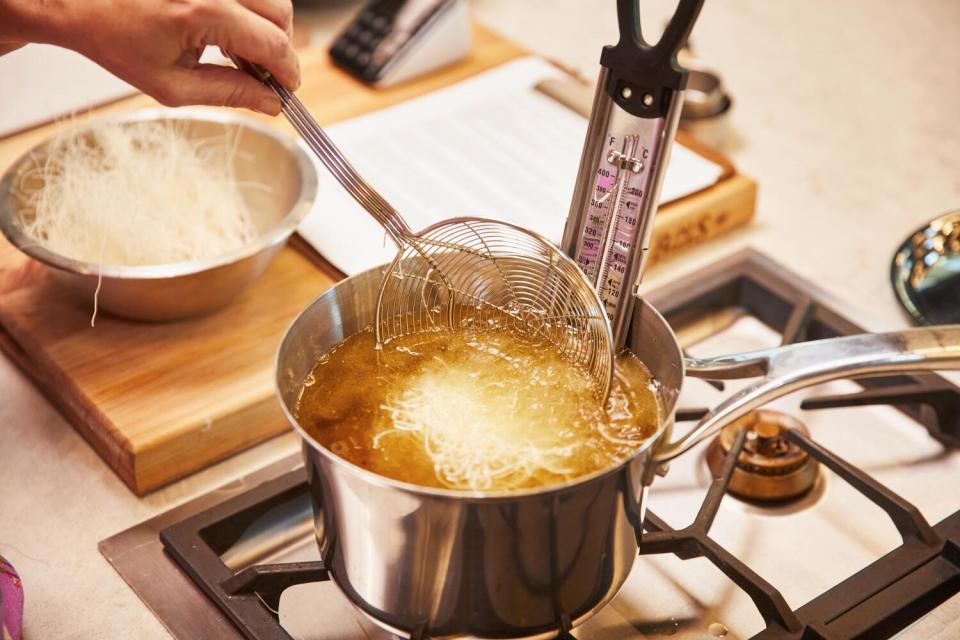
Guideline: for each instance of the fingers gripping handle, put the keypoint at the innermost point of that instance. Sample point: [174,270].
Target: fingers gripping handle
[788,369]
[643,77]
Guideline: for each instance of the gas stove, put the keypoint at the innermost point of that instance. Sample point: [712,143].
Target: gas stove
[834,514]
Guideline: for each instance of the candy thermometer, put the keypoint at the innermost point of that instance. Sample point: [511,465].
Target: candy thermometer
[632,126]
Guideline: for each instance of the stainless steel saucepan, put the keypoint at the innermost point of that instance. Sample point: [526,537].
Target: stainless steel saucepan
[427,562]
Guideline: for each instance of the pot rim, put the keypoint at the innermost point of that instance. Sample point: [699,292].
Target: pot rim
[663,429]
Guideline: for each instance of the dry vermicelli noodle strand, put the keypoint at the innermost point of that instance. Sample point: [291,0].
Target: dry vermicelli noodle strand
[139,193]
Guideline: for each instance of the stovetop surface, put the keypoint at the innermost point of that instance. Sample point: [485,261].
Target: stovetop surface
[802,548]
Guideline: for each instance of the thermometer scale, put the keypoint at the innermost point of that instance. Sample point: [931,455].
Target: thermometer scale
[632,125]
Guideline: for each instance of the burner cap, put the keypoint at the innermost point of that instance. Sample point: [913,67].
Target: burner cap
[770,467]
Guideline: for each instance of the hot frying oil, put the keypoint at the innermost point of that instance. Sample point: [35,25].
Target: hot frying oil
[473,410]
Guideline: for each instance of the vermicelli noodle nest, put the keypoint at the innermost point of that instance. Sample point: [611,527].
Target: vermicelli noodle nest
[136,193]
[473,410]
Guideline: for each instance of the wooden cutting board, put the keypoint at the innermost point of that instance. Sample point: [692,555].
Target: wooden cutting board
[159,401]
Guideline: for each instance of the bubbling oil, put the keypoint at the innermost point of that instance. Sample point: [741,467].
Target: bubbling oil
[473,410]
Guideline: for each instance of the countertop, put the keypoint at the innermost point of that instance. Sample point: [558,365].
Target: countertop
[845,113]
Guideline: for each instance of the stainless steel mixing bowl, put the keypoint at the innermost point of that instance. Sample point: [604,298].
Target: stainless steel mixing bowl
[185,289]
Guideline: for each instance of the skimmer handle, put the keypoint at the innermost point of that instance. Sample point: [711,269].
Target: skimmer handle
[330,156]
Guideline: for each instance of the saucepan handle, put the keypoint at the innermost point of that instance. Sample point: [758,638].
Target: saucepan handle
[786,369]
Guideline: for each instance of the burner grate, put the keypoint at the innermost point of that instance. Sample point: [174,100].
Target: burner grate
[251,597]
[875,602]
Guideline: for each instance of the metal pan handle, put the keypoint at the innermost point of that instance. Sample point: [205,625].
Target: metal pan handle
[787,369]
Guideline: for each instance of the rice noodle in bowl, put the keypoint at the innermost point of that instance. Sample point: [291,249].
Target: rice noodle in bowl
[136,193]
[163,250]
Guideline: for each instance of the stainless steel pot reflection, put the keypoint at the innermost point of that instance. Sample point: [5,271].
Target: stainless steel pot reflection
[526,564]
[516,564]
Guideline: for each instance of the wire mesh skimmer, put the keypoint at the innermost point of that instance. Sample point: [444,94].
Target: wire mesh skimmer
[470,272]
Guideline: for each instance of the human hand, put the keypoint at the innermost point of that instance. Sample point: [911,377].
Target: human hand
[155,45]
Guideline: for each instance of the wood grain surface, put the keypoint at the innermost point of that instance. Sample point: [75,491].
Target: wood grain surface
[159,401]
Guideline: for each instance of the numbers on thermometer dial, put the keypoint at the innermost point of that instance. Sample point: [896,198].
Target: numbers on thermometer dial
[611,229]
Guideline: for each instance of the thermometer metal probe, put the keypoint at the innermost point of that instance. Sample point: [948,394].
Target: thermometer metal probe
[632,125]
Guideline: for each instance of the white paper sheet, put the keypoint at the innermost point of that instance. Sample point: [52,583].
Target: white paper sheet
[490,146]
[42,82]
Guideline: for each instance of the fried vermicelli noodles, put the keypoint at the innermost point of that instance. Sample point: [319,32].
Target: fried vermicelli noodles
[473,410]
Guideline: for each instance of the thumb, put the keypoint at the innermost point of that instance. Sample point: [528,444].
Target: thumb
[215,85]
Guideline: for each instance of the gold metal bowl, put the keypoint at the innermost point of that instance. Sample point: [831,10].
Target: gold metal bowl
[185,289]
